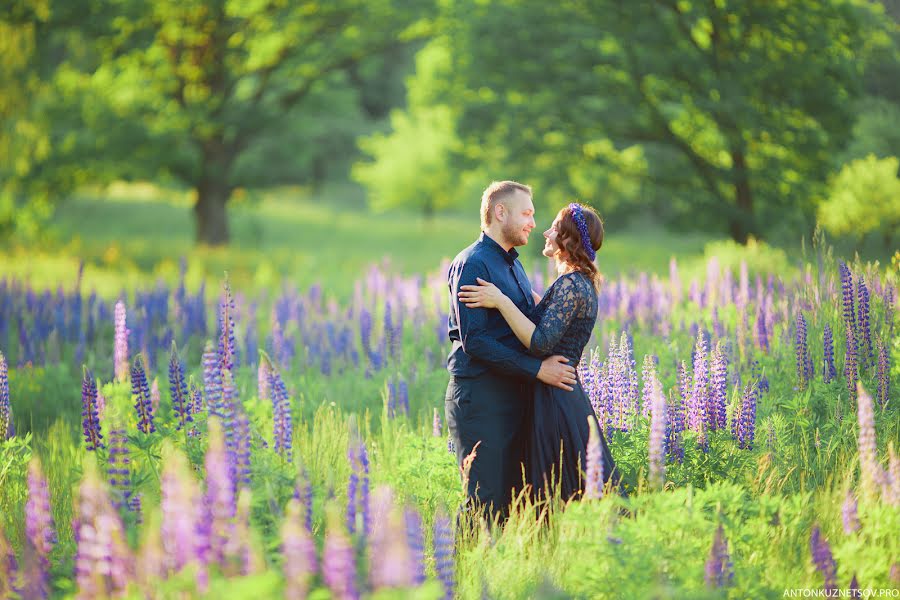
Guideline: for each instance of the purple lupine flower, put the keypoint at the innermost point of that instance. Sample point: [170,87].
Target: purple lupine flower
[594,472]
[850,355]
[648,374]
[746,418]
[863,330]
[303,493]
[154,395]
[212,381]
[849,514]
[358,490]
[90,419]
[829,373]
[389,553]
[869,469]
[9,568]
[443,554]
[262,380]
[141,391]
[339,564]
[299,552]
[119,469]
[103,562]
[181,507]
[5,406]
[281,411]
[436,427]
[762,334]
[195,406]
[804,363]
[416,543]
[226,349]
[40,533]
[657,452]
[823,559]
[699,392]
[675,428]
[179,390]
[719,570]
[219,502]
[716,416]
[883,389]
[120,354]
[241,558]
[242,443]
[891,487]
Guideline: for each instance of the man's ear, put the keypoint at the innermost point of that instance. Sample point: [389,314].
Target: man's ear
[500,211]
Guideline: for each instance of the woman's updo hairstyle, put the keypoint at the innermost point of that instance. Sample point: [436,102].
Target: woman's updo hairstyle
[575,219]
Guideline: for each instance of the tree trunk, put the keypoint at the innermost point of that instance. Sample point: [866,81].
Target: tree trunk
[210,214]
[741,222]
[213,191]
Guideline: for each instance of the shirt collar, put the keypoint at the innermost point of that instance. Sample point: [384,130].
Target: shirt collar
[509,257]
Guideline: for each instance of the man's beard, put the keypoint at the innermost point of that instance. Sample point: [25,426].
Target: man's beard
[514,235]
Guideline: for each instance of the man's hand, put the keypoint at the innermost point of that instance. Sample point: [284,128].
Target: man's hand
[556,371]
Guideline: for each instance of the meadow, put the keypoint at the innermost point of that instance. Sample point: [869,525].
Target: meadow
[174,431]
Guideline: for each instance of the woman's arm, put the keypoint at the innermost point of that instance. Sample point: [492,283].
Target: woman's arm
[487,295]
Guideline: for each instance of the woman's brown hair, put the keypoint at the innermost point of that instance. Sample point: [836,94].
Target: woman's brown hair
[568,238]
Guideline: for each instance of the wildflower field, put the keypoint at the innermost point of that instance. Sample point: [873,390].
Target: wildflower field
[210,439]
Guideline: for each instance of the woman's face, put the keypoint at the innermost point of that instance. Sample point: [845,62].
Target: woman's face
[551,249]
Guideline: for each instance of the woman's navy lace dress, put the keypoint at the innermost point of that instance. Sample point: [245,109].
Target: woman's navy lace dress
[563,320]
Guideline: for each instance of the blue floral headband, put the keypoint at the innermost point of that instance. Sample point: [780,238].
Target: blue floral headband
[578,216]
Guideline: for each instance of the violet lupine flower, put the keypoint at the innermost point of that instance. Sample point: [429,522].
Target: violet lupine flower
[219,501]
[849,514]
[716,408]
[699,392]
[746,418]
[90,419]
[181,508]
[416,543]
[868,460]
[212,381]
[9,568]
[154,394]
[390,563]
[39,531]
[119,470]
[339,563]
[120,354]
[863,330]
[242,444]
[358,490]
[891,491]
[281,412]
[5,406]
[195,406]
[850,355]
[262,380]
[719,570]
[883,390]
[823,559]
[594,472]
[103,562]
[648,374]
[675,428]
[657,452]
[179,391]
[226,348]
[444,547]
[804,363]
[829,373]
[436,426]
[141,391]
[762,334]
[303,493]
[299,552]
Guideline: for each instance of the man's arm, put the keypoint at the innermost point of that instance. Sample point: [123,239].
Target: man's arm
[475,339]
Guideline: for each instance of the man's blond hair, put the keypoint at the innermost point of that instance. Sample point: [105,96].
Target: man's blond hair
[497,191]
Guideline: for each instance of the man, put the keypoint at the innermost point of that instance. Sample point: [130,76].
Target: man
[489,397]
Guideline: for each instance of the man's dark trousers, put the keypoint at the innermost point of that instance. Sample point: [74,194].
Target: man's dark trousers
[493,409]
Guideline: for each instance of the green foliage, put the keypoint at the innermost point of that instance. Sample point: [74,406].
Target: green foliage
[864,198]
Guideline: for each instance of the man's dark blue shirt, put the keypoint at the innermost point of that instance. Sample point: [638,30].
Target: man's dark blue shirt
[482,339]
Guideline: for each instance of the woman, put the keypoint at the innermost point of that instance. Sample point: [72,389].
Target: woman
[561,323]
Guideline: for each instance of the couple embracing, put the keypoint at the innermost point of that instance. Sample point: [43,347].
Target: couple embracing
[514,387]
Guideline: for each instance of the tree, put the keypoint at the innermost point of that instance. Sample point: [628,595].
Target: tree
[730,108]
[191,85]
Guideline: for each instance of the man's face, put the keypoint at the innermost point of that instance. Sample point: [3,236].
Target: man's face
[517,218]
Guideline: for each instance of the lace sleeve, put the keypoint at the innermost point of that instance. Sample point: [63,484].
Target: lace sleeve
[563,306]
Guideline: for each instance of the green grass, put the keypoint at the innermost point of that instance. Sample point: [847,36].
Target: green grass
[134,235]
